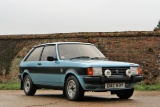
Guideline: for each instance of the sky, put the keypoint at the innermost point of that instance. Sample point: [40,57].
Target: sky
[66,16]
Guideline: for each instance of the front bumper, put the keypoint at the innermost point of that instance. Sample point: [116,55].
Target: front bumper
[112,79]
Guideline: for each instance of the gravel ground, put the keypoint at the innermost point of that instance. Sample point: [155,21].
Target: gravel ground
[54,98]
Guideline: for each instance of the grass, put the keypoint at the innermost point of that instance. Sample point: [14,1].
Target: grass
[10,86]
[140,87]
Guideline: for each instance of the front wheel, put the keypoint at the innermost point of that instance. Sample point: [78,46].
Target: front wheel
[28,86]
[73,89]
[124,94]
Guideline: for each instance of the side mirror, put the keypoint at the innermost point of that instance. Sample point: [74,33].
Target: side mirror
[51,58]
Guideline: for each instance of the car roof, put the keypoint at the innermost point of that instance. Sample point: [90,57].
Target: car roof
[54,43]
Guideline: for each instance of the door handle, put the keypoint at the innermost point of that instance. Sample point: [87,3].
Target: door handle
[39,64]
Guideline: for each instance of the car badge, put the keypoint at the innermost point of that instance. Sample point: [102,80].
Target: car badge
[116,71]
[61,70]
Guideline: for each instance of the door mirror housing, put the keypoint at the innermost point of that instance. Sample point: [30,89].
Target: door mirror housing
[51,58]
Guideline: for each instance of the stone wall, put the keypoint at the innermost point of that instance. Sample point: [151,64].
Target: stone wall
[137,47]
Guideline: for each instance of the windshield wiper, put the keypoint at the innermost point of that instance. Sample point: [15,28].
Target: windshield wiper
[80,57]
[99,58]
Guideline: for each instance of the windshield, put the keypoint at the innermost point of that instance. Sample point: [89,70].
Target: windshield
[76,51]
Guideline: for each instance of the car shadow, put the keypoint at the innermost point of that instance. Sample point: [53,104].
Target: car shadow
[57,96]
[86,98]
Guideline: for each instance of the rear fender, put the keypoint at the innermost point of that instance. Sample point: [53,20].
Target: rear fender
[25,72]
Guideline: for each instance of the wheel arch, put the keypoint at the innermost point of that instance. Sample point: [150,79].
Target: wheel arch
[25,72]
[72,72]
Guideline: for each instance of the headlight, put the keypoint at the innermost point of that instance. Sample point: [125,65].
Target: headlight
[135,70]
[95,71]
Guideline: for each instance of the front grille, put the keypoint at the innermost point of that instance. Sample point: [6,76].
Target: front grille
[116,70]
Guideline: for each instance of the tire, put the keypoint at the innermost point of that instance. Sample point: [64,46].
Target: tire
[73,89]
[28,86]
[124,94]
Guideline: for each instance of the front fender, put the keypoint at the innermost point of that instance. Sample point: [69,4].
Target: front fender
[74,73]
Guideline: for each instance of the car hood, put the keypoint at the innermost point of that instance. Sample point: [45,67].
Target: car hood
[98,63]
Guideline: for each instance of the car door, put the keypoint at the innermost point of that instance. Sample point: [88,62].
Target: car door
[31,63]
[48,70]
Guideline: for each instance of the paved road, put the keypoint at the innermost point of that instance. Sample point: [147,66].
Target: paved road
[52,98]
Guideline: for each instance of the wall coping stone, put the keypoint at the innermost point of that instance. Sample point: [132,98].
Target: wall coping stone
[81,35]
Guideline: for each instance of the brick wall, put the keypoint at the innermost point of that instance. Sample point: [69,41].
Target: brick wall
[137,47]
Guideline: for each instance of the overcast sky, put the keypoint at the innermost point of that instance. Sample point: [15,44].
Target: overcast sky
[59,16]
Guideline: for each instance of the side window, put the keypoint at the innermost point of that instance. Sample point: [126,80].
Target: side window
[48,51]
[35,55]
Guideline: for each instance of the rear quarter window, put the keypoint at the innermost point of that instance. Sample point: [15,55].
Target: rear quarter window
[35,54]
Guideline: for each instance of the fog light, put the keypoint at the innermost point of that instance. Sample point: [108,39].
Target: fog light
[107,73]
[129,72]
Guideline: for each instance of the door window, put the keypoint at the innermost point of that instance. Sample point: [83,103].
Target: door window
[48,51]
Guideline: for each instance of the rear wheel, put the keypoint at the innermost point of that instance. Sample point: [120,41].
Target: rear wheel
[124,94]
[73,89]
[28,86]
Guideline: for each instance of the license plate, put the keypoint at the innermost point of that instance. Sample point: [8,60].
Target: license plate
[114,85]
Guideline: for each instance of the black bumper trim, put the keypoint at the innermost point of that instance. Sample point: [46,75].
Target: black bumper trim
[21,85]
[111,79]
[19,76]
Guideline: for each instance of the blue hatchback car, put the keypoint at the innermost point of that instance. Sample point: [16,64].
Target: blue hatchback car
[76,67]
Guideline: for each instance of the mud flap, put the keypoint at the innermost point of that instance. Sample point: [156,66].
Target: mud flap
[113,92]
[21,87]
